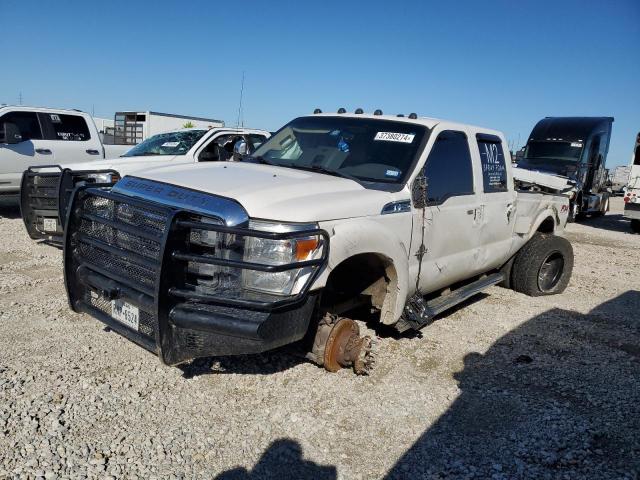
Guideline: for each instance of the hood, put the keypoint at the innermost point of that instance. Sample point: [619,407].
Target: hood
[277,193]
[551,166]
[127,165]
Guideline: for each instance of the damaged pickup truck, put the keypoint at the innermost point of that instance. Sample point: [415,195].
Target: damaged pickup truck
[403,216]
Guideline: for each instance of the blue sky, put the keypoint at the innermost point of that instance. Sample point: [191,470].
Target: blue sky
[500,64]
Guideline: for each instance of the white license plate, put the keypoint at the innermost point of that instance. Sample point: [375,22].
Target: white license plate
[50,224]
[126,313]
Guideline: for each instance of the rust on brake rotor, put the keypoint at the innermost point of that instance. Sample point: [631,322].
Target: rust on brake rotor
[345,348]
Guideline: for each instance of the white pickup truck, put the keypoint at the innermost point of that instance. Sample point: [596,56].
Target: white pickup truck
[406,216]
[45,191]
[36,135]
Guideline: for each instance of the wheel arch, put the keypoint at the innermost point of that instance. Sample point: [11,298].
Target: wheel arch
[367,243]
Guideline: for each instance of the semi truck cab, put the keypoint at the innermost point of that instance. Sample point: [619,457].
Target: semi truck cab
[575,148]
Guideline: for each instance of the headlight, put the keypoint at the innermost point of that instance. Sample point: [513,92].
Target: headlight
[279,252]
[104,177]
[262,251]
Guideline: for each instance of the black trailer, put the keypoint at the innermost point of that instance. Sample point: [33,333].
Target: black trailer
[576,148]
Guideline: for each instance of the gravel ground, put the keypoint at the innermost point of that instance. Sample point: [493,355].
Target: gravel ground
[504,387]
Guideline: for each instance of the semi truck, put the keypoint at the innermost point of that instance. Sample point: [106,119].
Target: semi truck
[400,215]
[632,192]
[574,148]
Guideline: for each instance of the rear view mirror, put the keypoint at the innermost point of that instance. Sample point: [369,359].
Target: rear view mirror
[10,133]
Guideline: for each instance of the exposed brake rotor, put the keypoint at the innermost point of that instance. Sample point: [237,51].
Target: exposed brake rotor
[338,344]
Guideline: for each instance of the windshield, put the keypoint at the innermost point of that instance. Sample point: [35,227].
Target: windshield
[540,153]
[171,143]
[363,149]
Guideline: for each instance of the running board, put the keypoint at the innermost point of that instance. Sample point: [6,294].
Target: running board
[419,312]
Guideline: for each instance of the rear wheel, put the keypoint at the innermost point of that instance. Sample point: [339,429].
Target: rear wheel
[543,266]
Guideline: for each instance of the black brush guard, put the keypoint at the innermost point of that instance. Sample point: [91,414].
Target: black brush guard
[121,247]
[46,195]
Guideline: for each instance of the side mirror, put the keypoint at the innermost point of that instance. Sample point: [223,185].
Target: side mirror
[11,133]
[419,192]
[241,148]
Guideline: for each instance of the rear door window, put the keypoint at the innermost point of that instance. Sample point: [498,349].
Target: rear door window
[27,122]
[70,128]
[492,159]
[449,170]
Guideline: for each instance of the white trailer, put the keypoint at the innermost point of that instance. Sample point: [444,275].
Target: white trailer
[619,178]
[131,128]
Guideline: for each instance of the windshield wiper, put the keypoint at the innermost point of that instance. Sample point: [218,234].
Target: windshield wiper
[258,159]
[149,154]
[320,169]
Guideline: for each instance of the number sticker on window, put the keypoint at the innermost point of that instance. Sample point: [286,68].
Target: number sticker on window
[395,137]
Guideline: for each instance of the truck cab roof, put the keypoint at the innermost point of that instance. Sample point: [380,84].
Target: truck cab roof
[568,129]
[429,122]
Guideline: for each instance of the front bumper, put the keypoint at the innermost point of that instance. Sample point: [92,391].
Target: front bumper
[144,263]
[45,196]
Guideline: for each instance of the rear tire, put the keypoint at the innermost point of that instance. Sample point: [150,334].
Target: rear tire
[635,226]
[543,266]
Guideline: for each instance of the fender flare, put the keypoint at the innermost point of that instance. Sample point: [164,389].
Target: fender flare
[550,211]
[349,239]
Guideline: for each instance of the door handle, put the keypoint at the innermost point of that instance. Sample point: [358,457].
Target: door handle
[471,212]
[43,151]
[92,152]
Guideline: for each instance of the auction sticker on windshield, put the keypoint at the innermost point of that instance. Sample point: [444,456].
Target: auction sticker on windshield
[125,313]
[395,137]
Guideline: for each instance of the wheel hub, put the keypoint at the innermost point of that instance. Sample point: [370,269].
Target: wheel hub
[550,271]
[338,345]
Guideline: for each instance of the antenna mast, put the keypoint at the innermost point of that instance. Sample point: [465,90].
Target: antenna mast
[240,112]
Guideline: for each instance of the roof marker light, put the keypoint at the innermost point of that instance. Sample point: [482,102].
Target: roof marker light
[413,116]
[342,110]
[316,111]
[378,112]
[400,115]
[359,111]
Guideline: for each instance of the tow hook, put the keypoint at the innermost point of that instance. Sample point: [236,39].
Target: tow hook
[338,344]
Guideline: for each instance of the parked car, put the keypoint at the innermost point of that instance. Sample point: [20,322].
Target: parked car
[575,148]
[36,135]
[405,216]
[46,190]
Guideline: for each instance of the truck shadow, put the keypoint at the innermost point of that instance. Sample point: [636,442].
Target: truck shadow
[266,363]
[9,209]
[558,397]
[292,355]
[283,459]
[613,222]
